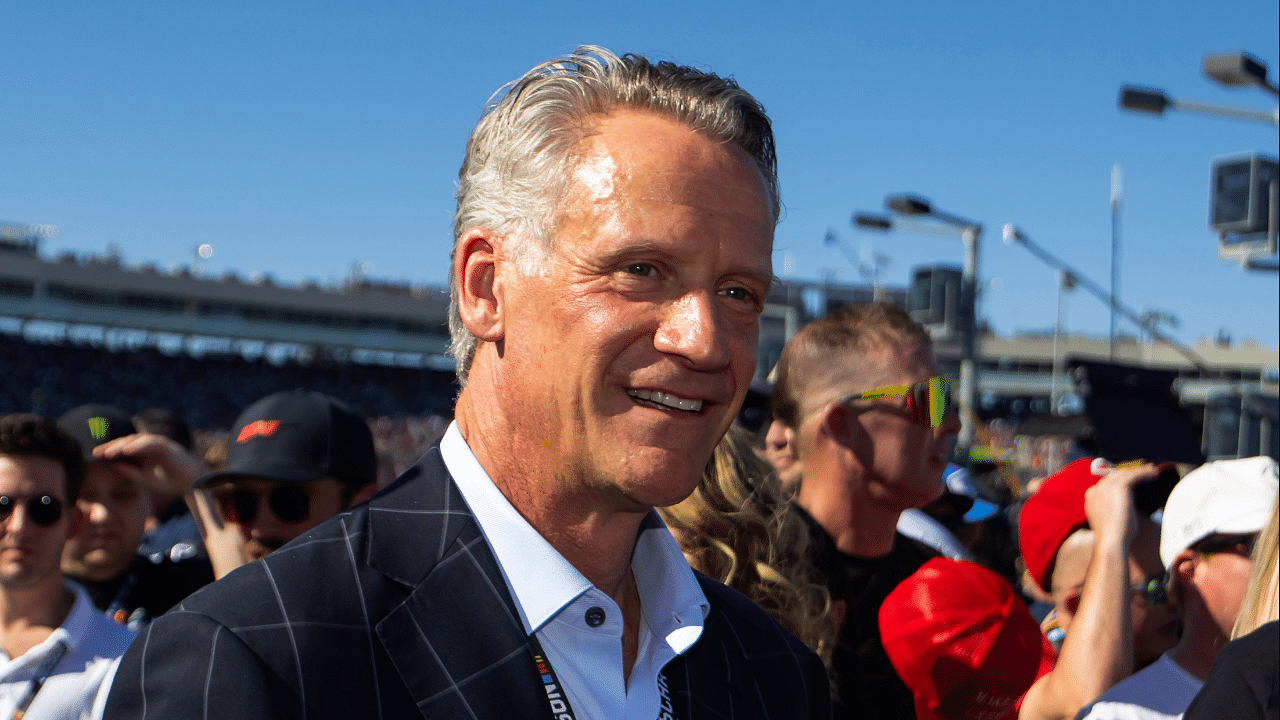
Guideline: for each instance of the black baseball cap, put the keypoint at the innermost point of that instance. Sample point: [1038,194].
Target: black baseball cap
[92,425]
[298,436]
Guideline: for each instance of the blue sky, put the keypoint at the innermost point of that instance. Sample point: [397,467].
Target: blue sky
[302,137]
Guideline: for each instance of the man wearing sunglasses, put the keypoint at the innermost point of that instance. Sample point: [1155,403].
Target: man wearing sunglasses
[1210,522]
[871,419]
[57,652]
[295,459]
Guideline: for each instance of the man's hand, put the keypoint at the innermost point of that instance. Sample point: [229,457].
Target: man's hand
[1109,503]
[159,463]
[1097,652]
[154,461]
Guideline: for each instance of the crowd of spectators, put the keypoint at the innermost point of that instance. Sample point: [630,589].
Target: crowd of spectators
[738,527]
[209,391]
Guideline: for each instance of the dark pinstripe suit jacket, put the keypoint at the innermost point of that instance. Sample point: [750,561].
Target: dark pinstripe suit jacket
[397,609]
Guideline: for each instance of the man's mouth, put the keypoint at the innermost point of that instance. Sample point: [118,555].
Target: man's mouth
[668,400]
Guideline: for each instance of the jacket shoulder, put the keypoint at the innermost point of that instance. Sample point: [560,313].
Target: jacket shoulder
[750,655]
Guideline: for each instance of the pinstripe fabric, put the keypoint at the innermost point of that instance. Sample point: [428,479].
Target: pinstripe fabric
[397,609]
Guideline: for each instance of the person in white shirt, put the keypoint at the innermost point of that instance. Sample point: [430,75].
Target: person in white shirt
[57,652]
[1211,521]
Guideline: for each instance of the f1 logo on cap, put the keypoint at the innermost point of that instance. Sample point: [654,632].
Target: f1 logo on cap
[258,428]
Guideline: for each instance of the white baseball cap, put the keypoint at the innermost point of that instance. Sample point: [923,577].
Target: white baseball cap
[1220,497]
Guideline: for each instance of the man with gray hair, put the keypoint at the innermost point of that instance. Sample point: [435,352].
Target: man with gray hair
[612,254]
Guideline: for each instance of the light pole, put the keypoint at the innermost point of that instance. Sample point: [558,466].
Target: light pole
[1151,100]
[1230,70]
[915,206]
[1066,283]
[1234,69]
[1013,235]
[1237,70]
[869,270]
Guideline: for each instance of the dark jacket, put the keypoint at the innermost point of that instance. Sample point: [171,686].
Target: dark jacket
[397,609]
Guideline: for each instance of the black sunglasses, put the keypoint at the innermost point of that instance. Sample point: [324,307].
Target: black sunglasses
[43,509]
[1155,590]
[1239,544]
[289,503]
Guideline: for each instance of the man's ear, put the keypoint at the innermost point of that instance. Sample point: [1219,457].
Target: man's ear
[1184,566]
[837,422]
[475,269]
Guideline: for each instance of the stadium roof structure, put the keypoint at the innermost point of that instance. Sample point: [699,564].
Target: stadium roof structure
[100,293]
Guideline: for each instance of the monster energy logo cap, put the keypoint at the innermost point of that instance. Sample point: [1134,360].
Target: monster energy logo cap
[92,425]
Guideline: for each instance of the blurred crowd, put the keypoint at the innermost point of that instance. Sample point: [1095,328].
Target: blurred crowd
[209,391]
[1096,592]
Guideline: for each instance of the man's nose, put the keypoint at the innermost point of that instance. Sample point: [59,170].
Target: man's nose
[265,521]
[691,329]
[950,422]
[95,512]
[16,520]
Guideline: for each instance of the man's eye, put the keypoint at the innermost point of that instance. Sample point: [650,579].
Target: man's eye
[739,293]
[642,269]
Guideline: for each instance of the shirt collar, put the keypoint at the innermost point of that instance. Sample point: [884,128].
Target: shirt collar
[540,579]
[542,582]
[674,605]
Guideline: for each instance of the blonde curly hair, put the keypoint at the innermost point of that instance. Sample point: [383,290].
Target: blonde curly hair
[737,527]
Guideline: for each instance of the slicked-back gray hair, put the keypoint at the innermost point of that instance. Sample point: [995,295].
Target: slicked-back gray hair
[520,155]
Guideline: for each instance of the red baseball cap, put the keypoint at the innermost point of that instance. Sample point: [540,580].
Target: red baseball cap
[1053,513]
[963,641]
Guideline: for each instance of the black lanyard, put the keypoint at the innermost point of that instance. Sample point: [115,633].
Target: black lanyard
[37,681]
[559,699]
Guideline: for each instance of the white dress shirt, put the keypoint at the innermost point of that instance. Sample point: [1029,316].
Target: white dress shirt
[557,603]
[77,688]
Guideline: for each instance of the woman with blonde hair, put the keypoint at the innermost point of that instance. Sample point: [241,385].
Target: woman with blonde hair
[737,527]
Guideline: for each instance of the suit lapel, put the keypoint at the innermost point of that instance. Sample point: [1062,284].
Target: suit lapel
[456,640]
[719,670]
[719,674]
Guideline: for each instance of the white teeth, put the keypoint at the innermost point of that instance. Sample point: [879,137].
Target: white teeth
[667,399]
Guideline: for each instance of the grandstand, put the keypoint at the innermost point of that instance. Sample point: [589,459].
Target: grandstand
[78,330]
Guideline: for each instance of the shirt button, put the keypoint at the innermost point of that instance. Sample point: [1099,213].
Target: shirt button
[595,616]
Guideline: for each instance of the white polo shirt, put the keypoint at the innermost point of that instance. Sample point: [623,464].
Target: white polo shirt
[579,626]
[78,686]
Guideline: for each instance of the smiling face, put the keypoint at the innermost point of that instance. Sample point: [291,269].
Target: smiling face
[629,354]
